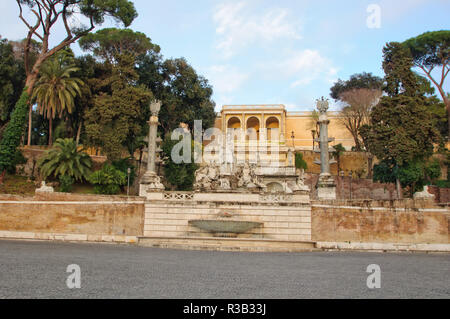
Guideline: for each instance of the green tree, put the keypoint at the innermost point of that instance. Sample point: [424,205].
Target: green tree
[12,135]
[337,154]
[12,79]
[45,16]
[357,95]
[117,111]
[180,176]
[120,105]
[56,89]
[88,69]
[402,129]
[185,95]
[65,159]
[357,81]
[108,44]
[431,50]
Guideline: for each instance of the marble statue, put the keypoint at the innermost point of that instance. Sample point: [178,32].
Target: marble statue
[45,189]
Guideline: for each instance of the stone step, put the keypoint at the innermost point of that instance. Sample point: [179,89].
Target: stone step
[227,244]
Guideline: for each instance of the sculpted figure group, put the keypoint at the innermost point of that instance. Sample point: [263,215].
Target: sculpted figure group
[243,177]
[209,178]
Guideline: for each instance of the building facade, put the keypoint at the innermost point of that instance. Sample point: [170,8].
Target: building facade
[296,129]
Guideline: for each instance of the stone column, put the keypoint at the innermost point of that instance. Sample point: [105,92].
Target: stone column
[326,185]
[151,182]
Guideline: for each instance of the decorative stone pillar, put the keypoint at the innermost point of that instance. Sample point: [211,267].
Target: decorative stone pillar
[151,182]
[326,185]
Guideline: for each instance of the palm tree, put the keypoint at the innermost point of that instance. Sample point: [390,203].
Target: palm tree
[64,159]
[56,90]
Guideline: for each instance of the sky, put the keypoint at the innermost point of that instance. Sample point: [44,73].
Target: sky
[273,52]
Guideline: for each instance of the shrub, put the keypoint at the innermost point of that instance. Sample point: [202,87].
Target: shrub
[123,165]
[300,163]
[443,184]
[66,183]
[65,159]
[180,176]
[13,133]
[108,180]
[18,159]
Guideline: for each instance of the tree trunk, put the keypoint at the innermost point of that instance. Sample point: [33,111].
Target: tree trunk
[30,116]
[447,103]
[370,166]
[50,131]
[79,133]
[2,177]
[29,84]
[399,189]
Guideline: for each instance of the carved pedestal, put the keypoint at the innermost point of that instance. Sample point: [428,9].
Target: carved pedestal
[326,188]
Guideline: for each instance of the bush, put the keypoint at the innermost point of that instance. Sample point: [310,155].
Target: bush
[180,176]
[18,159]
[66,183]
[300,163]
[64,159]
[13,133]
[108,180]
[123,165]
[443,184]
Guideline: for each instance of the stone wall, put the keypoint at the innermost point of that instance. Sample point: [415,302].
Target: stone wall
[283,217]
[350,161]
[405,221]
[351,188]
[442,195]
[72,214]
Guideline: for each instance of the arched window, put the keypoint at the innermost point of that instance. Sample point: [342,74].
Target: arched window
[253,128]
[234,123]
[273,129]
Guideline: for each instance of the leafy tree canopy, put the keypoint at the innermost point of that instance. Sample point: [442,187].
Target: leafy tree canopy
[111,43]
[397,66]
[12,79]
[430,49]
[357,81]
[402,129]
[118,108]
[186,96]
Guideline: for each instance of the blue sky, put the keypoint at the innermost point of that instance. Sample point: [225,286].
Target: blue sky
[283,52]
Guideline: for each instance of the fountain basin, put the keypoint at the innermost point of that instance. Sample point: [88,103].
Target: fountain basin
[224,226]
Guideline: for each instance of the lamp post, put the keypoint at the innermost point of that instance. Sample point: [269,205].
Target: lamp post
[293,139]
[351,186]
[313,133]
[128,188]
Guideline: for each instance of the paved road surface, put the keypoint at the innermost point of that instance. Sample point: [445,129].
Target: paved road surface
[38,270]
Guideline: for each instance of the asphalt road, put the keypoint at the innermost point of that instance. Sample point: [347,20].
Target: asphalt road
[38,270]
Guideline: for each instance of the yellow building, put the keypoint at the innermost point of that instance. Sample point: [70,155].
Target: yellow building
[295,128]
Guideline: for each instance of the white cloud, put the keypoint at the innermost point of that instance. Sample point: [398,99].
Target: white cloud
[225,78]
[307,66]
[237,28]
